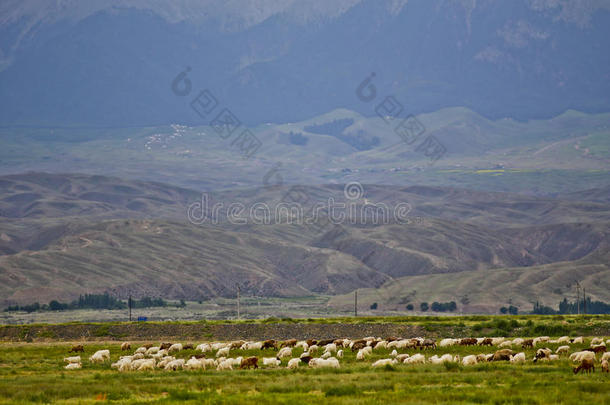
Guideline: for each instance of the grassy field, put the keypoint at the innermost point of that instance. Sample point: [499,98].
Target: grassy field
[33,373]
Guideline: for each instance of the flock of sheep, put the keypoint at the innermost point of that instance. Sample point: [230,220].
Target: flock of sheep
[216,355]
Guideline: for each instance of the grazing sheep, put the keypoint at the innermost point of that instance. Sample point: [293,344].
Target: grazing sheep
[577,340]
[150,350]
[468,342]
[288,343]
[415,359]
[563,339]
[362,354]
[340,353]
[208,363]
[312,348]
[141,350]
[518,358]
[324,342]
[586,366]
[137,356]
[605,356]
[486,342]
[518,341]
[100,356]
[165,345]
[174,365]
[597,349]
[384,362]
[269,344]
[293,363]
[176,347]
[394,353]
[188,346]
[271,361]
[435,360]
[303,344]
[73,366]
[580,356]
[528,343]
[447,342]
[553,357]
[146,364]
[224,352]
[596,341]
[605,366]
[165,360]
[447,358]
[249,362]
[541,354]
[326,355]
[562,349]
[284,352]
[77,348]
[401,357]
[193,364]
[497,340]
[331,348]
[74,359]
[469,360]
[226,364]
[381,345]
[505,345]
[319,363]
[204,347]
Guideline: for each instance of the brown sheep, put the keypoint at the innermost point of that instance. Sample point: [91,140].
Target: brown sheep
[125,346]
[468,342]
[199,356]
[501,355]
[527,343]
[236,344]
[269,344]
[359,344]
[338,342]
[288,343]
[148,345]
[306,359]
[428,343]
[392,338]
[605,366]
[586,365]
[249,362]
[77,348]
[543,354]
[311,342]
[188,346]
[597,349]
[165,345]
[486,342]
[324,342]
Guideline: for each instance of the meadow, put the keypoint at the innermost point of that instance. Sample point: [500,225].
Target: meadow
[33,373]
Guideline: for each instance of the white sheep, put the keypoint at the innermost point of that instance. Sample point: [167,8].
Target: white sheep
[605,356]
[578,340]
[293,363]
[497,340]
[381,345]
[204,347]
[326,355]
[435,360]
[340,353]
[361,355]
[469,360]
[518,341]
[223,352]
[303,344]
[563,339]
[193,364]
[518,358]
[447,342]
[394,353]
[225,365]
[447,358]
[100,356]
[384,362]
[138,356]
[73,366]
[151,350]
[165,360]
[284,352]
[141,350]
[209,363]
[416,359]
[331,348]
[580,356]
[401,357]
[176,347]
[175,365]
[319,363]
[160,354]
[271,361]
[147,364]
[73,359]
[505,345]
[596,341]
[313,349]
[562,349]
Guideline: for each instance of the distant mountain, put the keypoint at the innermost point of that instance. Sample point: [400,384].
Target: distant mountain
[112,63]
[63,235]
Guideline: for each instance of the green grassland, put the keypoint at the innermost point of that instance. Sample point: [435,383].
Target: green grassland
[33,373]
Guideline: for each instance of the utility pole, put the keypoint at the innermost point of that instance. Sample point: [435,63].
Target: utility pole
[584,301]
[355,303]
[129,305]
[577,298]
[238,301]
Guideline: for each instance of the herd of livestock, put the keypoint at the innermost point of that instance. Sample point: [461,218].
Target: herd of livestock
[330,352]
